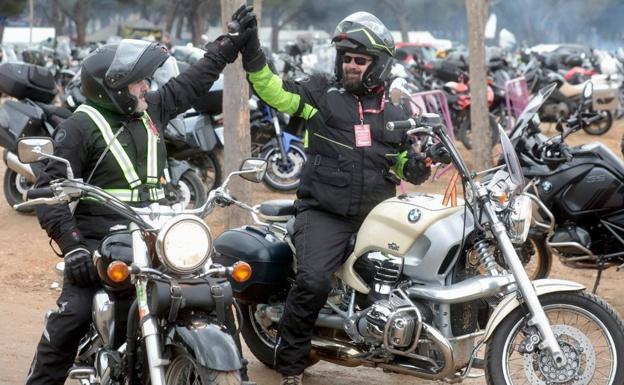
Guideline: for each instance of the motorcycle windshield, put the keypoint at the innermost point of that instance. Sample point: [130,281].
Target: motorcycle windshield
[531,109]
[511,160]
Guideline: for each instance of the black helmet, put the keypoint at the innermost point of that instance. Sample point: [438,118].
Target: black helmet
[363,33]
[107,72]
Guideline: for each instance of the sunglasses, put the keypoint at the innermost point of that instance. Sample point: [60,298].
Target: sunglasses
[358,60]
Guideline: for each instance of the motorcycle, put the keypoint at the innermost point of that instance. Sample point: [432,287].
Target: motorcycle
[162,315]
[444,283]
[577,190]
[272,138]
[565,100]
[33,115]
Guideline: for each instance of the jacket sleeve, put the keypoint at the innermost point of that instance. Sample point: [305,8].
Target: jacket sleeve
[300,99]
[57,220]
[181,92]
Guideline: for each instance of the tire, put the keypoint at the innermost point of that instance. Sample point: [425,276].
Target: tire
[593,317]
[209,170]
[261,340]
[193,191]
[536,257]
[284,178]
[15,186]
[184,370]
[465,133]
[602,126]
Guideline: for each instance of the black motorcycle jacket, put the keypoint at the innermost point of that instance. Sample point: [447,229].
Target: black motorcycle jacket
[347,171]
[79,140]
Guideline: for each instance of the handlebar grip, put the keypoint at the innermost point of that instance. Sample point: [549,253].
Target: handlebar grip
[565,151]
[43,192]
[401,124]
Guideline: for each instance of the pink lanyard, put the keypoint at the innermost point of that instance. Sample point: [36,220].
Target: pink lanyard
[370,110]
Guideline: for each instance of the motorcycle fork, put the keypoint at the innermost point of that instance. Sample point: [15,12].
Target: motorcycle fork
[280,140]
[538,316]
[149,326]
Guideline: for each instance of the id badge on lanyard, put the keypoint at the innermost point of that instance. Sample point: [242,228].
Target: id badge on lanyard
[362,131]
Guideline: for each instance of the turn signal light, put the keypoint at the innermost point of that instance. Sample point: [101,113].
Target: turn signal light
[241,272]
[117,271]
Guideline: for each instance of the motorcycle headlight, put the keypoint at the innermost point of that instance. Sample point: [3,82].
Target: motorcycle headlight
[184,244]
[519,219]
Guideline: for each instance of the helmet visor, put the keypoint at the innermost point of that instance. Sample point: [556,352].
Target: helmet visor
[122,70]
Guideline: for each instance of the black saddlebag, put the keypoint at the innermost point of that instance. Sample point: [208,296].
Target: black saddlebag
[23,80]
[19,119]
[268,256]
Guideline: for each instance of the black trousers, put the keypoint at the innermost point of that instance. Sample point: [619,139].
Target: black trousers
[63,330]
[320,239]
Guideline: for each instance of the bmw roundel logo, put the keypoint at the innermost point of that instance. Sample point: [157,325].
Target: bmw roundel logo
[414,215]
[547,187]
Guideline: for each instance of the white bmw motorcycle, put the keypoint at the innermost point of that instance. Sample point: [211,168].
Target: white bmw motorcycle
[446,282]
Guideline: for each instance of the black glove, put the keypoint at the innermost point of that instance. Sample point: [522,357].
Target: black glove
[417,169]
[438,153]
[79,268]
[253,57]
[229,45]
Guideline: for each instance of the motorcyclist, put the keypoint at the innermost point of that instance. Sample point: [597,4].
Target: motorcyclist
[112,141]
[353,164]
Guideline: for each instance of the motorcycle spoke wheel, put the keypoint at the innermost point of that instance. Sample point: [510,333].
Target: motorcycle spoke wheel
[589,333]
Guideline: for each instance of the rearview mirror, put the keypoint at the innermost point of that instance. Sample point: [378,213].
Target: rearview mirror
[253,169]
[34,149]
[398,91]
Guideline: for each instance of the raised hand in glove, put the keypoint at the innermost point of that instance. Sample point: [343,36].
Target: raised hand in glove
[79,267]
[230,44]
[418,167]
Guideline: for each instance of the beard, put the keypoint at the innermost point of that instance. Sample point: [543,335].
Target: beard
[352,81]
[141,106]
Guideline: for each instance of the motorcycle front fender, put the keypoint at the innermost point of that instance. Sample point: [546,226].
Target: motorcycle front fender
[287,139]
[177,168]
[210,346]
[510,302]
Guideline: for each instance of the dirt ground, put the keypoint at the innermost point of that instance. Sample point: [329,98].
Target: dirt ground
[26,274]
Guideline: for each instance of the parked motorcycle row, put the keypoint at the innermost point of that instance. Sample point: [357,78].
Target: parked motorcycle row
[422,290]
[570,67]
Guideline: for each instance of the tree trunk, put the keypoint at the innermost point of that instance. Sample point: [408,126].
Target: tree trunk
[81,31]
[479,122]
[257,4]
[275,30]
[403,26]
[1,31]
[236,125]
[172,10]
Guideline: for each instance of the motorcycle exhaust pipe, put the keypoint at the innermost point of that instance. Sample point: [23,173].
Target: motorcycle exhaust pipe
[13,162]
[464,291]
[335,351]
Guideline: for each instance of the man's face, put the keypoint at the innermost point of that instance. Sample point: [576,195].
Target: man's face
[354,65]
[138,89]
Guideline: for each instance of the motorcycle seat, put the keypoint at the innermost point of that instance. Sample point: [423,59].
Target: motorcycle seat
[278,208]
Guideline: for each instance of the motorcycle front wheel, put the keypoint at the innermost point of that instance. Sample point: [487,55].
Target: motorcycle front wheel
[184,370]
[601,126]
[15,186]
[284,176]
[589,331]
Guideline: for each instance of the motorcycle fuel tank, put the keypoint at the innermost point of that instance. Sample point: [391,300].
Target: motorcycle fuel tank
[417,228]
